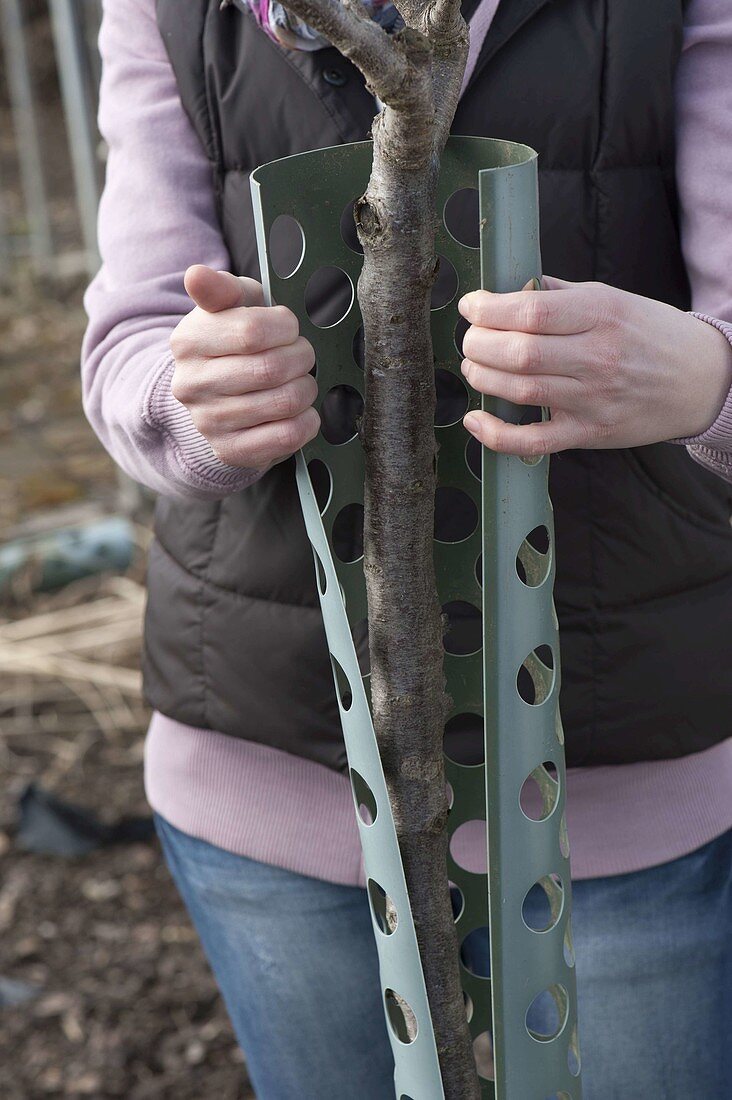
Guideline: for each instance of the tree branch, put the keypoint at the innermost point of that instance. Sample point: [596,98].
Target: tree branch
[442,24]
[347,26]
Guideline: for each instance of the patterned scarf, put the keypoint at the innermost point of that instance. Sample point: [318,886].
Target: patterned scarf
[291,33]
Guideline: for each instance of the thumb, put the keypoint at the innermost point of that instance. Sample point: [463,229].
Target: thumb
[550,282]
[215,291]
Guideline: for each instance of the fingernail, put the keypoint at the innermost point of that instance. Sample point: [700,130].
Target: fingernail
[533,284]
[464,304]
[471,422]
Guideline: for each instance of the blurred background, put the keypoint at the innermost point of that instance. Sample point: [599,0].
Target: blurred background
[103,989]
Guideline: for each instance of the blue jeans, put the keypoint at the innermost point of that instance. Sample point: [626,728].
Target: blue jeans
[296,963]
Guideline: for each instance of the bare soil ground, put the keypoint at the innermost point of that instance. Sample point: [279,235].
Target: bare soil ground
[125,1005]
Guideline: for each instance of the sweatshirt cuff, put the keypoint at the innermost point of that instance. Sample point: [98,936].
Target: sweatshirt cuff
[195,455]
[714,444]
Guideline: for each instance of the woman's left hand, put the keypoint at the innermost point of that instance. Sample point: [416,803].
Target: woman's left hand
[614,368]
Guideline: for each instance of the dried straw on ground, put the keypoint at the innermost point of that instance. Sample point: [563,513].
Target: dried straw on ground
[69,669]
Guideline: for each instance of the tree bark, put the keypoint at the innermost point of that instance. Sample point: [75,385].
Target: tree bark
[396,221]
[417,74]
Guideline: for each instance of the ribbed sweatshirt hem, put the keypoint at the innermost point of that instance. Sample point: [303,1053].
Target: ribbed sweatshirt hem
[268,805]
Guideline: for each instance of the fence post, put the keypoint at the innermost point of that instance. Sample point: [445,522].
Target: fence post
[26,133]
[79,120]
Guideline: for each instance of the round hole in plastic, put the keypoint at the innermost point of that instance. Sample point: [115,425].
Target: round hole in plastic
[568,946]
[547,1014]
[535,677]
[483,1053]
[348,229]
[533,560]
[464,628]
[540,792]
[364,798]
[462,216]
[286,245]
[344,688]
[538,539]
[401,1017]
[543,904]
[360,635]
[521,571]
[382,908]
[445,285]
[347,534]
[359,348]
[457,901]
[468,846]
[563,837]
[574,1058]
[329,296]
[452,398]
[340,412]
[320,572]
[475,952]
[456,514]
[459,335]
[474,457]
[464,741]
[321,481]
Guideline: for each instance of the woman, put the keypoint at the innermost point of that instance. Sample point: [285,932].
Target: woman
[203,396]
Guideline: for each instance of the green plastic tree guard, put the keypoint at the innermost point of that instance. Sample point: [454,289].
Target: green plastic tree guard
[502,655]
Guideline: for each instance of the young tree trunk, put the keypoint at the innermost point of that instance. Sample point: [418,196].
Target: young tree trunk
[396,221]
[405,628]
[417,73]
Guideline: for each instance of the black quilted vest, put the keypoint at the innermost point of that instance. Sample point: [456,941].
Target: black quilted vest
[235,639]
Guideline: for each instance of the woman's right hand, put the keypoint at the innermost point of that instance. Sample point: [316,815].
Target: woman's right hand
[243,371]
